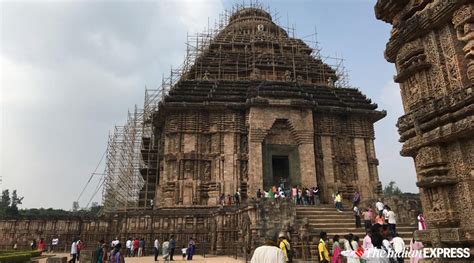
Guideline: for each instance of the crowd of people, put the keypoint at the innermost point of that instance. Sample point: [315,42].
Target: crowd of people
[381,244]
[134,247]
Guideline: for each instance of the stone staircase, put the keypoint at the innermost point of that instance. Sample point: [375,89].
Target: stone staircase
[325,218]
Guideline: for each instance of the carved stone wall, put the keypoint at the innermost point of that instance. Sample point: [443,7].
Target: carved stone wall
[432,45]
[205,154]
[345,155]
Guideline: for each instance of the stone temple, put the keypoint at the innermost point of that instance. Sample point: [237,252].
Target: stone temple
[253,107]
[256,106]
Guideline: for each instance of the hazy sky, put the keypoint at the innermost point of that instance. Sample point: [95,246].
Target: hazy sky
[70,70]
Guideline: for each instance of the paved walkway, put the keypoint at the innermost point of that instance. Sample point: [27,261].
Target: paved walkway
[149,259]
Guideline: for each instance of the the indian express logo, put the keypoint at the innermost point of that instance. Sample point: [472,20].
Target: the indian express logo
[422,253]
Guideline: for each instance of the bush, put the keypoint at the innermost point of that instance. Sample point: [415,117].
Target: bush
[17,256]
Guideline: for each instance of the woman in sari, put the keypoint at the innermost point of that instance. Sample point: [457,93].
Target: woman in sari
[336,250]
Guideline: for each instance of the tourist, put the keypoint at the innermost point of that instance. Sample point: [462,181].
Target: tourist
[136,244]
[115,242]
[141,247]
[99,252]
[367,241]
[183,252]
[33,244]
[274,189]
[299,198]
[237,197]
[316,194]
[356,212]
[285,247]
[367,218]
[41,245]
[129,247]
[191,249]
[379,205]
[15,245]
[116,255]
[421,222]
[322,248]
[222,199]
[392,220]
[375,254]
[54,244]
[351,245]
[268,252]
[229,199]
[398,245]
[379,219]
[356,199]
[259,193]
[294,194]
[338,201]
[165,250]
[416,251]
[73,251]
[266,194]
[336,250]
[80,246]
[271,194]
[310,196]
[156,249]
[385,213]
[172,247]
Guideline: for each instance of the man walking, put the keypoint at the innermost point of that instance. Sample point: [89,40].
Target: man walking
[156,248]
[392,220]
[357,216]
[285,247]
[268,252]
[73,251]
[172,247]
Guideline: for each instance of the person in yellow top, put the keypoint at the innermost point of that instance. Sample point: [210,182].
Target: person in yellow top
[338,201]
[322,248]
[285,247]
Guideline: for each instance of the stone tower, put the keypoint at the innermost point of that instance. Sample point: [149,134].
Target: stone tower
[432,46]
[255,108]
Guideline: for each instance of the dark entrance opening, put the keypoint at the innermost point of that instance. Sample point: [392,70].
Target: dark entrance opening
[281,170]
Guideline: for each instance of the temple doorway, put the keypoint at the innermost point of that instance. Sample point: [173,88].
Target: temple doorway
[281,170]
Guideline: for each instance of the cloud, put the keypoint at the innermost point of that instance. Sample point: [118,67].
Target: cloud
[69,72]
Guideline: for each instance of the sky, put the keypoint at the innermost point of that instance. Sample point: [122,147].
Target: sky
[70,71]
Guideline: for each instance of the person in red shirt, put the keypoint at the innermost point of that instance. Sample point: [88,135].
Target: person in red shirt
[135,247]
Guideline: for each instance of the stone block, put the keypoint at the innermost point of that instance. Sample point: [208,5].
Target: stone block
[56,260]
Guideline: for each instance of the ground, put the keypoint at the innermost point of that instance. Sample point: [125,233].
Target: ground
[222,259]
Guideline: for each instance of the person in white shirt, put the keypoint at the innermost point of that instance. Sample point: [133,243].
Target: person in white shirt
[269,252]
[115,242]
[156,248]
[54,244]
[375,254]
[166,250]
[398,245]
[379,205]
[392,220]
[128,246]
[73,251]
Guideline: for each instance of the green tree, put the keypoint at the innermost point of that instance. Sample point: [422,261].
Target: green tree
[15,201]
[391,189]
[5,202]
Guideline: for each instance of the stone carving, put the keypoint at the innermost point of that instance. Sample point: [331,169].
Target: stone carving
[463,20]
[206,171]
[433,130]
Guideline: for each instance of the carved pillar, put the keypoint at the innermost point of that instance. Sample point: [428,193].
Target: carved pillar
[463,20]
[432,45]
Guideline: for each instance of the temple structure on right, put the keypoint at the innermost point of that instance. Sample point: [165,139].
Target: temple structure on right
[432,46]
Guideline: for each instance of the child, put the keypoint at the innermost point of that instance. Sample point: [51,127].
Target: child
[183,251]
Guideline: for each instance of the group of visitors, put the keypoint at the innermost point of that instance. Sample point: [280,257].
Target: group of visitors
[76,246]
[135,247]
[277,249]
[41,244]
[234,199]
[301,196]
